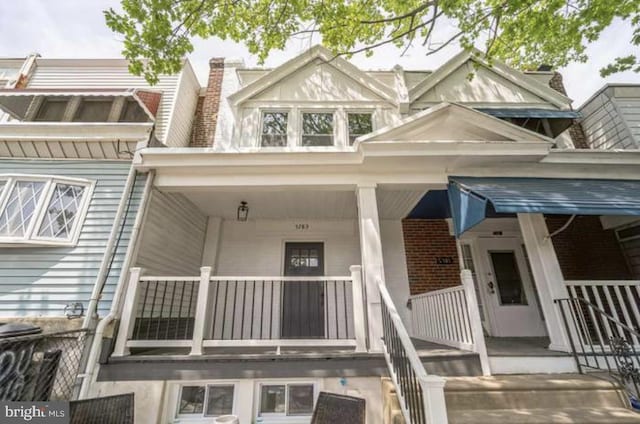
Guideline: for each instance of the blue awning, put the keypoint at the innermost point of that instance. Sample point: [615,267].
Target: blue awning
[469,197]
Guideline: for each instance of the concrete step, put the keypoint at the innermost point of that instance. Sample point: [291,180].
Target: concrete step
[530,382]
[465,365]
[545,416]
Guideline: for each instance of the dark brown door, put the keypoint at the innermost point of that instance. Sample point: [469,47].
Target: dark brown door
[303,301]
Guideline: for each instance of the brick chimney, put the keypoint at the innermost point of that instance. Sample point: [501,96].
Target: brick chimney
[575,130]
[206,118]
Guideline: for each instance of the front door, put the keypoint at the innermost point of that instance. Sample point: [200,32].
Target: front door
[303,301]
[509,291]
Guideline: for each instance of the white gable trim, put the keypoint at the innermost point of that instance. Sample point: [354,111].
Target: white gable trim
[517,78]
[317,52]
[478,119]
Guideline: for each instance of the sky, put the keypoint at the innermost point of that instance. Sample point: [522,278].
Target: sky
[76,28]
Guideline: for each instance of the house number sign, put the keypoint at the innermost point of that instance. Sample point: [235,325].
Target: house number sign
[302,227]
[444,260]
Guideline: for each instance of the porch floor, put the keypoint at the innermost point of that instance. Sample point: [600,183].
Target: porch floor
[520,346]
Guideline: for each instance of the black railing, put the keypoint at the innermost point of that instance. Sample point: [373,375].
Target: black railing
[166,310]
[41,367]
[601,342]
[405,377]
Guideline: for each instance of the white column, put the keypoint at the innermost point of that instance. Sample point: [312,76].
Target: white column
[128,319]
[203,310]
[434,401]
[359,321]
[475,320]
[372,266]
[212,242]
[547,274]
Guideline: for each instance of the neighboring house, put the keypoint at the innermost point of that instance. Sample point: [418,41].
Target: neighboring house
[323,213]
[611,117]
[69,196]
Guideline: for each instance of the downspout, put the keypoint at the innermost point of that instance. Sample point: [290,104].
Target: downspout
[94,353]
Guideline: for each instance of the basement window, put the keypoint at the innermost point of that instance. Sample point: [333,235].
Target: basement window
[293,399]
[211,400]
[41,210]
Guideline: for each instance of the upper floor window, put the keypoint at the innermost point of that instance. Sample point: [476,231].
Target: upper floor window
[359,124]
[274,129]
[41,210]
[52,110]
[93,110]
[132,112]
[317,129]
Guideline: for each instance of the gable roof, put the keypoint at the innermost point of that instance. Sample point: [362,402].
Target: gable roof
[471,125]
[317,52]
[518,78]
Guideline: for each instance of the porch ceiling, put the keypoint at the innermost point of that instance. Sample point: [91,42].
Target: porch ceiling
[295,204]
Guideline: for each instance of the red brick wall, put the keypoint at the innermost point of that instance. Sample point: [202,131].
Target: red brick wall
[426,240]
[587,251]
[204,125]
[575,131]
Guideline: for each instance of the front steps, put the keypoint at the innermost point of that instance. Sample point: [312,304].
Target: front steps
[536,399]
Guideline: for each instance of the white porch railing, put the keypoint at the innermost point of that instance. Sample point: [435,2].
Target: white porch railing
[214,311]
[618,298]
[451,317]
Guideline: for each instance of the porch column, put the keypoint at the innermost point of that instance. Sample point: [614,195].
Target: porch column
[547,274]
[371,254]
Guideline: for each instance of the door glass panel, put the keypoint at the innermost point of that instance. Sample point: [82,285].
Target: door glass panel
[508,279]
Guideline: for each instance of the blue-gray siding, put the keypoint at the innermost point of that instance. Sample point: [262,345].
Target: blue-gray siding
[40,281]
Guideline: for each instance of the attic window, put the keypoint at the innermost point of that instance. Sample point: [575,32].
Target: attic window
[52,110]
[274,129]
[359,124]
[317,129]
[133,112]
[93,110]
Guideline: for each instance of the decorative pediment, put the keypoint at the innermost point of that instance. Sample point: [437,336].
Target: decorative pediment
[495,83]
[454,123]
[317,75]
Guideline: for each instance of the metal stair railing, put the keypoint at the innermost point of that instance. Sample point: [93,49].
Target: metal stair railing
[421,395]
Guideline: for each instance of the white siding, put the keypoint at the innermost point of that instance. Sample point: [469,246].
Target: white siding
[603,121]
[184,109]
[395,266]
[106,74]
[172,237]
[40,281]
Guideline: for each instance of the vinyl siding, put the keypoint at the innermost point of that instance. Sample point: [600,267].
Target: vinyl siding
[172,238]
[49,76]
[40,281]
[605,121]
[184,109]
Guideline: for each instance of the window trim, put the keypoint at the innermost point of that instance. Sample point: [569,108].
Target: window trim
[289,113]
[30,237]
[203,414]
[300,119]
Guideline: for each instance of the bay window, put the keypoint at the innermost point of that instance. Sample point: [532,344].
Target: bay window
[42,210]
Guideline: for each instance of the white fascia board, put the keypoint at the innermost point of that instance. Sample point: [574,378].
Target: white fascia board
[588,156]
[447,148]
[85,131]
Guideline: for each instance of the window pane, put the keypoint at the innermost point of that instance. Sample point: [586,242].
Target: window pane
[507,274]
[272,399]
[191,400]
[51,110]
[317,129]
[359,124]
[220,400]
[93,111]
[300,399]
[20,208]
[133,112]
[274,129]
[62,211]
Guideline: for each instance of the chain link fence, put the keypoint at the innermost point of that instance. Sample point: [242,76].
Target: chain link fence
[41,367]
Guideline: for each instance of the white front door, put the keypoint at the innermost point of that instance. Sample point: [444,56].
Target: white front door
[505,280]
